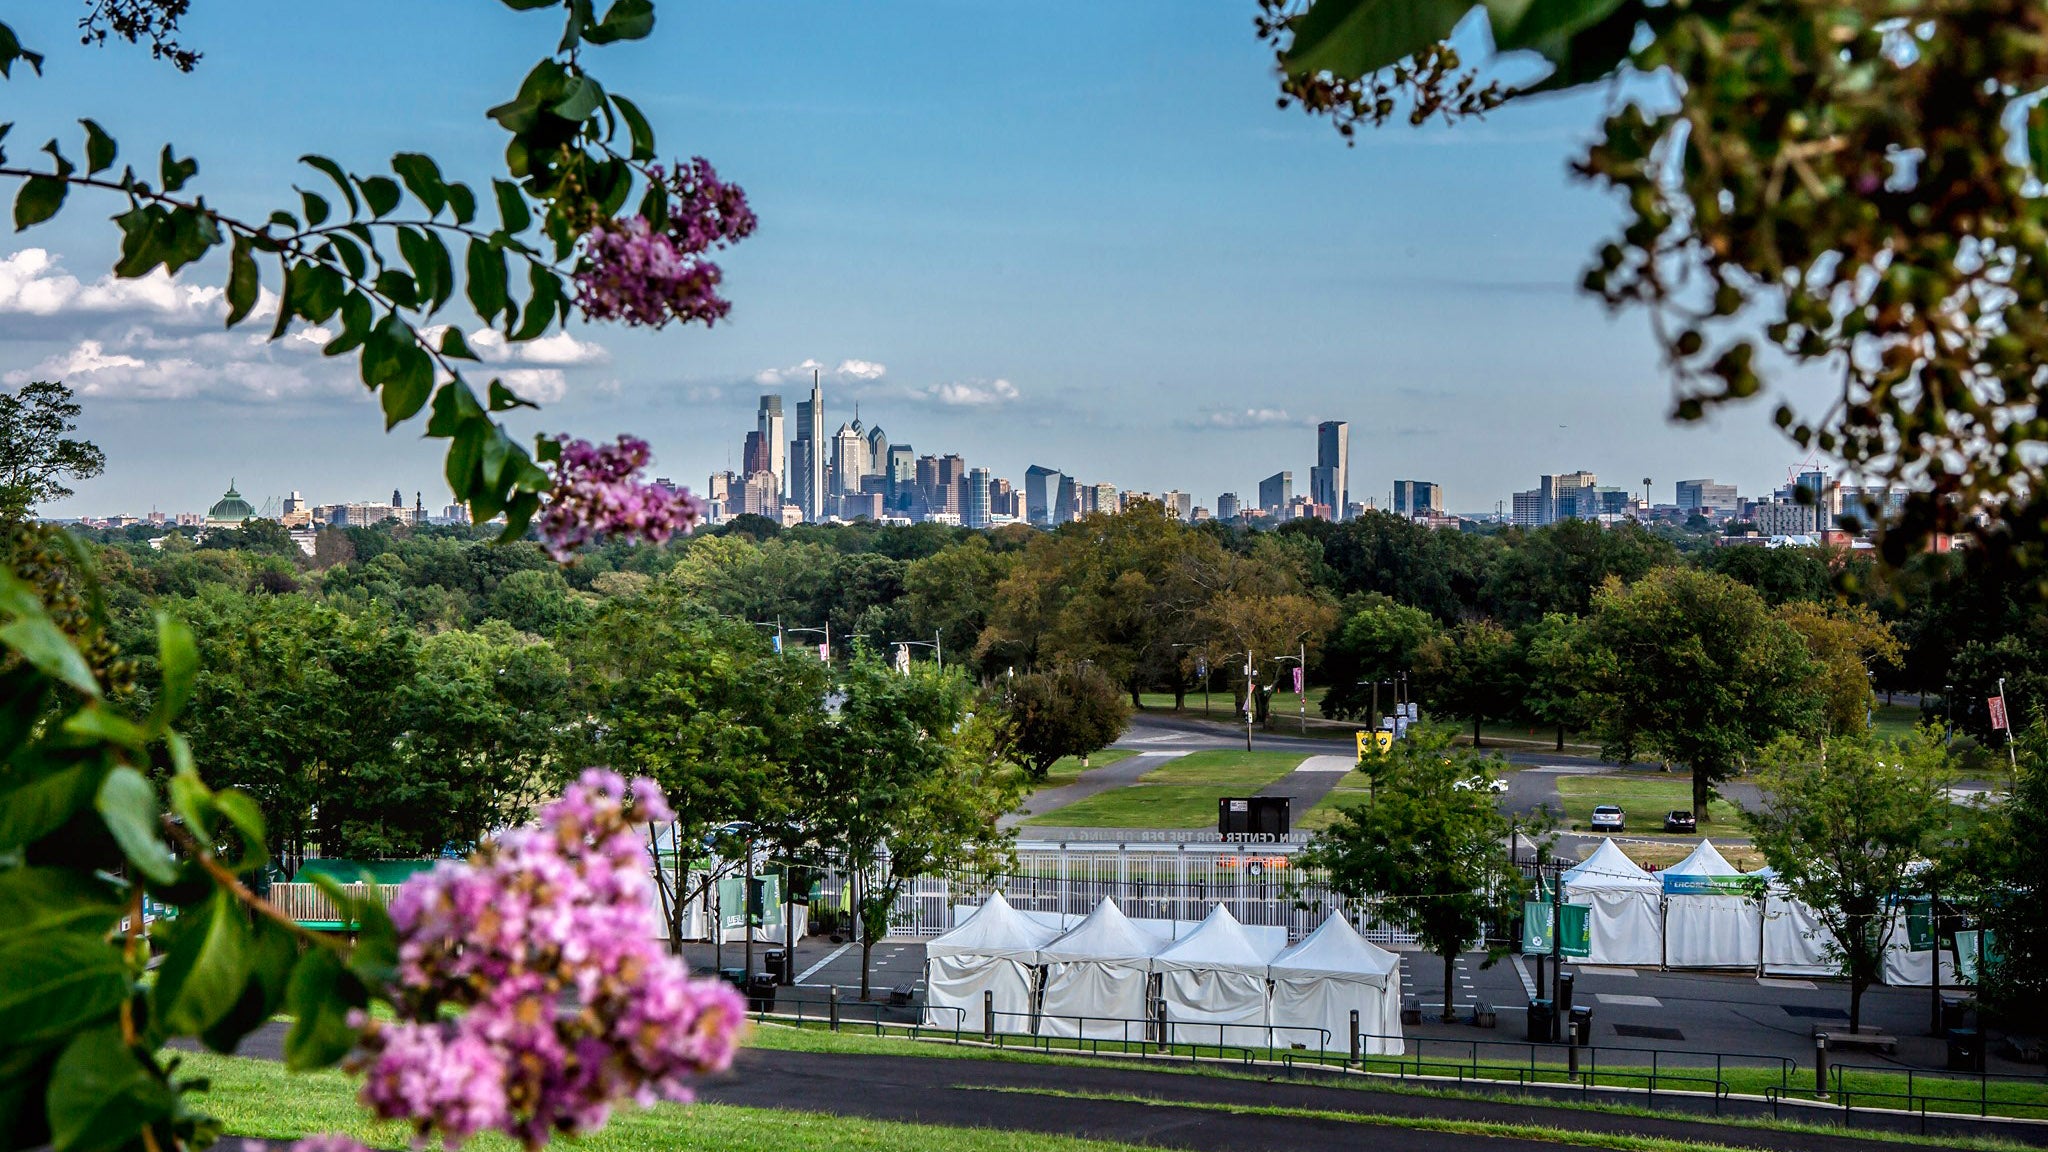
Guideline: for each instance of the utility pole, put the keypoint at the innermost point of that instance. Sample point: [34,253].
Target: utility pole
[1251,686]
[1302,696]
[2010,754]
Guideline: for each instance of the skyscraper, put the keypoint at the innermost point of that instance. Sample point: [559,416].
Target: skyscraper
[1706,496]
[976,513]
[850,460]
[902,472]
[807,455]
[1041,491]
[1418,498]
[1330,480]
[1226,506]
[754,456]
[768,422]
[1276,492]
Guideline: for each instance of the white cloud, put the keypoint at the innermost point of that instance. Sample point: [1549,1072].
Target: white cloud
[1230,419]
[211,366]
[851,371]
[560,349]
[975,394]
[33,283]
[538,385]
[862,369]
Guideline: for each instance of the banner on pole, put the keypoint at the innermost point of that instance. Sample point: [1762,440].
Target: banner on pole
[1997,704]
[1536,924]
[1298,682]
[1920,925]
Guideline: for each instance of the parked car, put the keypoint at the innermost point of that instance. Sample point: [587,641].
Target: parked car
[1607,818]
[1490,785]
[1680,820]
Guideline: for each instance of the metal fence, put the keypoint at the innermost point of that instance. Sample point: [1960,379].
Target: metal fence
[1260,885]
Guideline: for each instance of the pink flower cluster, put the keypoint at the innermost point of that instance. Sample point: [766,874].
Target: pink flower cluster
[597,492]
[545,940]
[634,273]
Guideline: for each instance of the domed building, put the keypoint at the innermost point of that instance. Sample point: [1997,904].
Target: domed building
[230,511]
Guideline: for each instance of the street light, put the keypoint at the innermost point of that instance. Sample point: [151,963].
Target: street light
[775,624]
[826,631]
[938,653]
[1301,662]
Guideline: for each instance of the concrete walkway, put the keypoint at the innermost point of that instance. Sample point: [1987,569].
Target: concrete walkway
[1311,780]
[1094,781]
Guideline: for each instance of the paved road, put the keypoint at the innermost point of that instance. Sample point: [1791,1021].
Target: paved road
[1093,782]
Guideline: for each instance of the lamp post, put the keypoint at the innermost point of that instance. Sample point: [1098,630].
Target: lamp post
[775,624]
[937,653]
[826,631]
[1301,662]
[1251,686]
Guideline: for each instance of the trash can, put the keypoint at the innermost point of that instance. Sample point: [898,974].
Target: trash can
[1411,1010]
[777,963]
[761,992]
[1955,1012]
[1542,1021]
[1582,1025]
[737,977]
[1965,1050]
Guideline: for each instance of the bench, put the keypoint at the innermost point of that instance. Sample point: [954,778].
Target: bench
[1868,1039]
[899,996]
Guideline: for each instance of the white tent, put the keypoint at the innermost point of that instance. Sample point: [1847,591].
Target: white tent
[1096,978]
[1625,915]
[1213,981]
[1319,982]
[1796,943]
[993,951]
[1709,921]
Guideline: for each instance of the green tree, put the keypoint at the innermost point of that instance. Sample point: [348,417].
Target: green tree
[1558,567]
[1378,639]
[538,600]
[2004,860]
[36,453]
[1072,711]
[952,591]
[1845,640]
[1842,824]
[1553,671]
[1427,850]
[1469,671]
[1780,575]
[1695,668]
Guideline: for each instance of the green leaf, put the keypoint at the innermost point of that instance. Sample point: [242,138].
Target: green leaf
[545,298]
[321,994]
[581,100]
[247,818]
[2037,138]
[243,282]
[273,950]
[512,208]
[637,127]
[174,171]
[57,983]
[530,5]
[1353,39]
[38,200]
[419,256]
[32,633]
[406,391]
[100,723]
[335,174]
[380,193]
[102,1095]
[46,800]
[204,970]
[99,149]
[374,959]
[462,202]
[316,208]
[423,177]
[625,20]
[454,346]
[504,399]
[486,286]
[51,900]
[192,800]
[127,803]
[357,317]
[177,655]
[11,50]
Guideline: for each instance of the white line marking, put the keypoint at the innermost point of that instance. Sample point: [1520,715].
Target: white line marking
[1772,983]
[807,973]
[1628,1001]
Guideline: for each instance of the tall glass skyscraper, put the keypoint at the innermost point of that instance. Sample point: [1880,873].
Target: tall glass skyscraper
[1330,480]
[773,443]
[807,455]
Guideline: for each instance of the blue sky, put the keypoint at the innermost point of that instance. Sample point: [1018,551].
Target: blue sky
[1071,234]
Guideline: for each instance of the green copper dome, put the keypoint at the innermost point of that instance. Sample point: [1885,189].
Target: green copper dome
[231,508]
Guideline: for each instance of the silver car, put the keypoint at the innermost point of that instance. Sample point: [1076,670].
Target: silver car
[1607,818]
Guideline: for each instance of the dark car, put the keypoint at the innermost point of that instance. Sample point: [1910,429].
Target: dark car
[1680,820]
[1607,818]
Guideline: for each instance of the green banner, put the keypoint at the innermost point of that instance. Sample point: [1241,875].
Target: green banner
[1536,924]
[1920,925]
[1974,948]
[735,910]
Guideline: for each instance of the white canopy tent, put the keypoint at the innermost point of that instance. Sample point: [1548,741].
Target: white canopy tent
[1708,921]
[1096,977]
[1796,943]
[1318,983]
[1625,915]
[993,951]
[1213,983]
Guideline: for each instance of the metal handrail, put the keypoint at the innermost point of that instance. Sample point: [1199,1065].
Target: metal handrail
[1846,1094]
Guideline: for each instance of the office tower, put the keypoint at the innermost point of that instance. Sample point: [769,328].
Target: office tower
[720,486]
[1330,480]
[1418,498]
[1561,495]
[1179,505]
[754,455]
[1002,499]
[1706,497]
[759,496]
[768,421]
[902,472]
[1276,492]
[1528,508]
[1067,501]
[1041,490]
[850,460]
[1098,498]
[976,513]
[808,455]
[1226,506]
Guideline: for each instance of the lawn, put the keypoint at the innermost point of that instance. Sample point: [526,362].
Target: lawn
[1644,798]
[1894,719]
[1350,790]
[258,1098]
[1182,793]
[1067,769]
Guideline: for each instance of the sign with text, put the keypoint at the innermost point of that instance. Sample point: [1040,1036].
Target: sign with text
[1998,721]
[1536,924]
[1707,885]
[1299,681]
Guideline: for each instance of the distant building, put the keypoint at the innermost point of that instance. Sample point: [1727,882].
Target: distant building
[809,455]
[1785,518]
[861,506]
[230,511]
[754,455]
[1706,497]
[759,496]
[1418,498]
[1226,506]
[1276,492]
[1330,479]
[774,443]
[1004,500]
[902,470]
[1567,496]
[1528,509]
[1098,498]
[1041,493]
[976,513]
[720,486]
[1067,501]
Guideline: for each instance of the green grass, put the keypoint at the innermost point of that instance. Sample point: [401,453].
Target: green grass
[258,1098]
[1182,793]
[1644,799]
[1239,769]
[1352,789]
[1894,719]
[1067,769]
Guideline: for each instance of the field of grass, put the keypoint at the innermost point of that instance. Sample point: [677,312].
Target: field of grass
[1067,769]
[1644,799]
[1894,719]
[1351,789]
[1181,793]
[258,1098]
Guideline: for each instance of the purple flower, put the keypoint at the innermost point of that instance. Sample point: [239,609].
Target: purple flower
[634,273]
[597,492]
[320,1142]
[546,942]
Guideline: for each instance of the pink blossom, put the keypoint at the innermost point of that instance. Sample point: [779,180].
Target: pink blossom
[598,492]
[546,941]
[632,272]
[319,1142]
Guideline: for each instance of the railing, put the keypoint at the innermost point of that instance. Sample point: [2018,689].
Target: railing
[307,904]
[1877,1087]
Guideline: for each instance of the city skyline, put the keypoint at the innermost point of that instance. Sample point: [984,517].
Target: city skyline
[1053,264]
